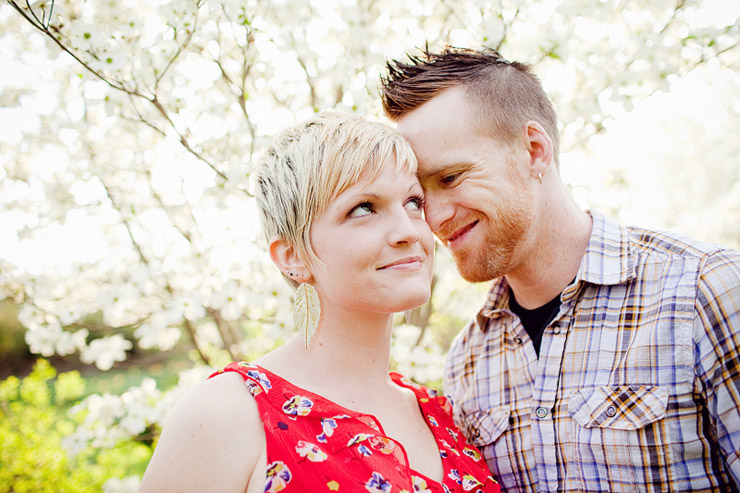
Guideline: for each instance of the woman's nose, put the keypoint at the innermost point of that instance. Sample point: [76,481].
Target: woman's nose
[404,229]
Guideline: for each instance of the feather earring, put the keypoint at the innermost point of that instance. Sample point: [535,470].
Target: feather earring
[306,311]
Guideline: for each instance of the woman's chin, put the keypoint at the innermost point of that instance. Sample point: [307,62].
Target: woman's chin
[413,302]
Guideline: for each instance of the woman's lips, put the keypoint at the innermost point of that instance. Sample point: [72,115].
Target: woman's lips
[408,263]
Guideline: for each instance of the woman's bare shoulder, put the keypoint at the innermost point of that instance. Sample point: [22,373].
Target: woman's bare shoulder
[212,440]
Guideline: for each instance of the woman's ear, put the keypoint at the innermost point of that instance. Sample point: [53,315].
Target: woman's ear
[285,256]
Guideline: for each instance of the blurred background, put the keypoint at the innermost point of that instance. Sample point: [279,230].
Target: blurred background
[131,262]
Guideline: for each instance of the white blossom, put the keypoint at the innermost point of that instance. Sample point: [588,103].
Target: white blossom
[69,342]
[85,36]
[77,441]
[106,351]
[422,362]
[129,484]
[43,340]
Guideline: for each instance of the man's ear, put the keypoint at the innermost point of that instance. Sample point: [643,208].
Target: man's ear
[285,256]
[540,149]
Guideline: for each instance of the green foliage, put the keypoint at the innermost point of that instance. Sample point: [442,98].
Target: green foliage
[35,419]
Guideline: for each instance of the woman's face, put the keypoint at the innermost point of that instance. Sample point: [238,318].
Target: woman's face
[377,250]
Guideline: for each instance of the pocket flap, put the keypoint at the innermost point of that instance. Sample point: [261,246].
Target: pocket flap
[620,408]
[485,426]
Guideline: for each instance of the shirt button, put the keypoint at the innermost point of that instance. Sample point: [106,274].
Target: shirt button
[610,411]
[556,330]
[518,340]
[541,412]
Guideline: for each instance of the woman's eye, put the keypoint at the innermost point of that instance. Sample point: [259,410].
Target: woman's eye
[415,203]
[361,210]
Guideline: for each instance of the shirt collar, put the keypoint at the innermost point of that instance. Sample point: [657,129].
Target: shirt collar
[609,257]
[609,260]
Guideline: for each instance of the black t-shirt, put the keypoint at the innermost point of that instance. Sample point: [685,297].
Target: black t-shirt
[535,321]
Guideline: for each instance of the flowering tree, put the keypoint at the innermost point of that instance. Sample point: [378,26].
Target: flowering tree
[127,157]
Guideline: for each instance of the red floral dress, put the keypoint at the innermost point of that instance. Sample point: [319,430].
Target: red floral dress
[316,445]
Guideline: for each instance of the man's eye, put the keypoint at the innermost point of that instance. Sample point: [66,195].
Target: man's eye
[361,210]
[448,179]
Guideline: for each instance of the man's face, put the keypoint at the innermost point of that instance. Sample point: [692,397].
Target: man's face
[477,188]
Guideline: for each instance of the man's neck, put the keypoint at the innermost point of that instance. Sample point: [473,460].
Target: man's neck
[554,256]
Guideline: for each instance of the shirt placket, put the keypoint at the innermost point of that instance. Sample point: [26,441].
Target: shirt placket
[545,393]
[520,396]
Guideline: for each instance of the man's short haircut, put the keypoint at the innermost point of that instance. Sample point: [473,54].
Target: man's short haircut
[311,163]
[503,95]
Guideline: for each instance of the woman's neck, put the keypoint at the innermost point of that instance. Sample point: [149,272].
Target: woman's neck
[350,348]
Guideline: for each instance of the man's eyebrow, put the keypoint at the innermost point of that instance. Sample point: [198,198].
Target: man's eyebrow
[444,168]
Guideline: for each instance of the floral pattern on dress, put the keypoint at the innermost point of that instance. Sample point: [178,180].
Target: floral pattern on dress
[261,379]
[254,388]
[313,444]
[447,447]
[360,437]
[378,484]
[472,453]
[328,425]
[332,485]
[382,444]
[310,451]
[407,382]
[364,450]
[469,482]
[297,406]
[360,440]
[420,485]
[455,476]
[278,477]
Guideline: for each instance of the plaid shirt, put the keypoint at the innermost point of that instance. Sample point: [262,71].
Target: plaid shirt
[637,387]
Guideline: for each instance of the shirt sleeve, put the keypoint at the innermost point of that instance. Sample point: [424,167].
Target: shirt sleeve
[717,351]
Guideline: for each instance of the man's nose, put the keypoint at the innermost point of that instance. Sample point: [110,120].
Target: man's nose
[437,211]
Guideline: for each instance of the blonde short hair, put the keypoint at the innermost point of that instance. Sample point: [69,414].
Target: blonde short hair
[310,164]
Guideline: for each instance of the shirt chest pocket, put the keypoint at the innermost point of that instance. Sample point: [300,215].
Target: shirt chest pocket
[484,426]
[620,427]
[618,408]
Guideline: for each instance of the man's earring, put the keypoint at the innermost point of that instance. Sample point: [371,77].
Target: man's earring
[306,311]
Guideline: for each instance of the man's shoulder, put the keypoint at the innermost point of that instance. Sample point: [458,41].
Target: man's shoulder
[672,243]
[618,254]
[655,242]
[714,263]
